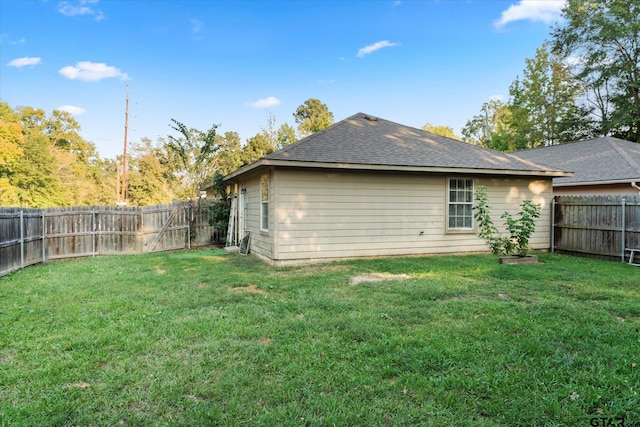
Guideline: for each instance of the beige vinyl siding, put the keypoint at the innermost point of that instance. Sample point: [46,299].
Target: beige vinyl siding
[261,241]
[317,215]
[350,214]
[506,195]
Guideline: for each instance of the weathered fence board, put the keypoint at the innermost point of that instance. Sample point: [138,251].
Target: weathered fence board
[31,236]
[601,226]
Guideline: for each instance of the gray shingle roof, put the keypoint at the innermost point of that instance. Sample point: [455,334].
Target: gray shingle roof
[597,160]
[360,140]
[377,143]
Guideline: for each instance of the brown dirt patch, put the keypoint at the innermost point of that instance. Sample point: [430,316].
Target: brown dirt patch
[160,271]
[266,341]
[377,277]
[251,289]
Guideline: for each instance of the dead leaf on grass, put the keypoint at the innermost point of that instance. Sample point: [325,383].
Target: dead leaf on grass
[80,385]
[266,341]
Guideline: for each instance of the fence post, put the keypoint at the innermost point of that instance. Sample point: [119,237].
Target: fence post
[93,233]
[21,239]
[553,225]
[189,226]
[622,249]
[44,239]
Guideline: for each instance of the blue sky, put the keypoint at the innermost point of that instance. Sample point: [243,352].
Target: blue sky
[232,62]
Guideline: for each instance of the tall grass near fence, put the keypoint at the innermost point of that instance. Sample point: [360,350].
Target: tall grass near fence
[32,236]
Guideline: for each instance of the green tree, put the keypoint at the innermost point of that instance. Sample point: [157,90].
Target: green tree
[229,156]
[10,153]
[147,180]
[312,116]
[603,37]
[543,104]
[286,135]
[492,120]
[257,146]
[441,130]
[192,156]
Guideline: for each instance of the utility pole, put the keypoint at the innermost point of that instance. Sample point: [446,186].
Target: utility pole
[123,200]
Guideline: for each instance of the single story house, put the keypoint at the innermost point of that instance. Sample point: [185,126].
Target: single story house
[371,187]
[601,166]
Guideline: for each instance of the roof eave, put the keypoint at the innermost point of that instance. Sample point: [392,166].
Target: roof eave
[395,168]
[606,182]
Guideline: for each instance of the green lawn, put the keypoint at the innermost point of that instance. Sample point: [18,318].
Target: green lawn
[210,338]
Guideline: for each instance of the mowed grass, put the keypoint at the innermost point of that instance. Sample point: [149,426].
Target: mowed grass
[211,338]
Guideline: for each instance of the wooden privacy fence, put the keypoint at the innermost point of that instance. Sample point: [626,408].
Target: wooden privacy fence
[602,226]
[31,236]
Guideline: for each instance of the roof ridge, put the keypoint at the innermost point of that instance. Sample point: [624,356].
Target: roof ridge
[615,144]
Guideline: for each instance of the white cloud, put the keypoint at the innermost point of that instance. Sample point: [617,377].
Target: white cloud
[23,62]
[547,11]
[80,8]
[92,71]
[575,60]
[72,109]
[373,47]
[270,101]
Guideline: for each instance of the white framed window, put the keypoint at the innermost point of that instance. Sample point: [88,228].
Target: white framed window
[264,202]
[460,204]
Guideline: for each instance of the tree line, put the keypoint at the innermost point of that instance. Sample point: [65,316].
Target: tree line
[44,162]
[583,82]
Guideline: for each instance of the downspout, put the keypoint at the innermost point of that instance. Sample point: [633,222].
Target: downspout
[635,185]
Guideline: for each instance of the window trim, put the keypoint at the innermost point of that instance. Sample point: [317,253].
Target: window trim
[264,178]
[448,203]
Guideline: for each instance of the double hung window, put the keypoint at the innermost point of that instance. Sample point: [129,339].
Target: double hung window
[460,204]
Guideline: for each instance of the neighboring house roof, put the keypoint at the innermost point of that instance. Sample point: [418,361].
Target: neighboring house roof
[604,160]
[366,142]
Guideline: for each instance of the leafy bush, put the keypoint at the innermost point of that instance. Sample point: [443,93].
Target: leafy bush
[520,228]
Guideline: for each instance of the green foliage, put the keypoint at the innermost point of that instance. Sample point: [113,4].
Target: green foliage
[286,135]
[492,120]
[312,116]
[229,156]
[520,228]
[192,157]
[148,177]
[257,146]
[543,104]
[441,130]
[221,209]
[602,36]
[44,162]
